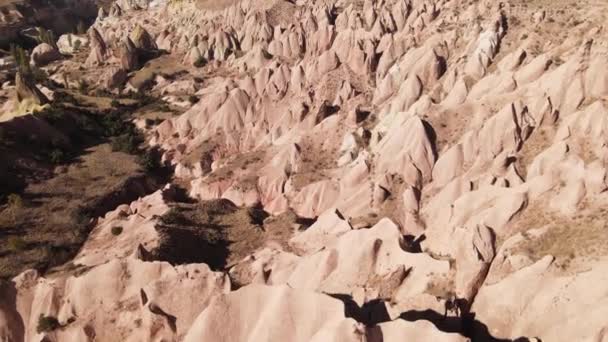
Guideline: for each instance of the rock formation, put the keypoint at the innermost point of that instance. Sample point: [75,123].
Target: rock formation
[129,59]
[26,90]
[99,51]
[416,170]
[43,54]
[141,39]
[70,43]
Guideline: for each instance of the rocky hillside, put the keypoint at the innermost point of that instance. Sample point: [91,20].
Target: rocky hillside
[390,170]
[19,18]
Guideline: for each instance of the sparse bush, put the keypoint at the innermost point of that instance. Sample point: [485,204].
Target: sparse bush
[154,122]
[257,215]
[15,201]
[128,143]
[173,216]
[57,156]
[52,114]
[39,75]
[148,161]
[81,216]
[77,44]
[47,323]
[81,28]
[66,83]
[21,59]
[163,107]
[16,244]
[115,103]
[116,231]
[113,124]
[83,86]
[62,97]
[193,99]
[200,62]
[46,36]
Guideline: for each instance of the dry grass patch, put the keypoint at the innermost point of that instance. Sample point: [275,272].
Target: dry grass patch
[49,225]
[572,240]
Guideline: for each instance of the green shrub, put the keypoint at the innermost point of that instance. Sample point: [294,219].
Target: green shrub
[39,75]
[15,201]
[193,99]
[200,62]
[154,122]
[113,124]
[77,44]
[21,59]
[66,83]
[116,231]
[81,28]
[83,86]
[47,323]
[81,215]
[195,41]
[16,244]
[128,143]
[46,36]
[148,161]
[57,156]
[173,216]
[52,114]
[115,103]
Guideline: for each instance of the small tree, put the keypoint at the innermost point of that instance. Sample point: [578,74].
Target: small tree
[127,143]
[173,216]
[15,201]
[83,86]
[46,36]
[200,62]
[16,244]
[148,161]
[193,99]
[65,80]
[195,41]
[57,156]
[116,231]
[21,60]
[47,323]
[81,28]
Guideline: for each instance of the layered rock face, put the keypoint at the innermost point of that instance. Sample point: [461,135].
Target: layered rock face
[450,157]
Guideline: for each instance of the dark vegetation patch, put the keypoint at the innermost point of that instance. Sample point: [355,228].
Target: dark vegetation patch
[222,235]
[215,232]
[60,169]
[47,324]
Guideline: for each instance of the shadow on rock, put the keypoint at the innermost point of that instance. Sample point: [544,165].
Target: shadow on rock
[467,325]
